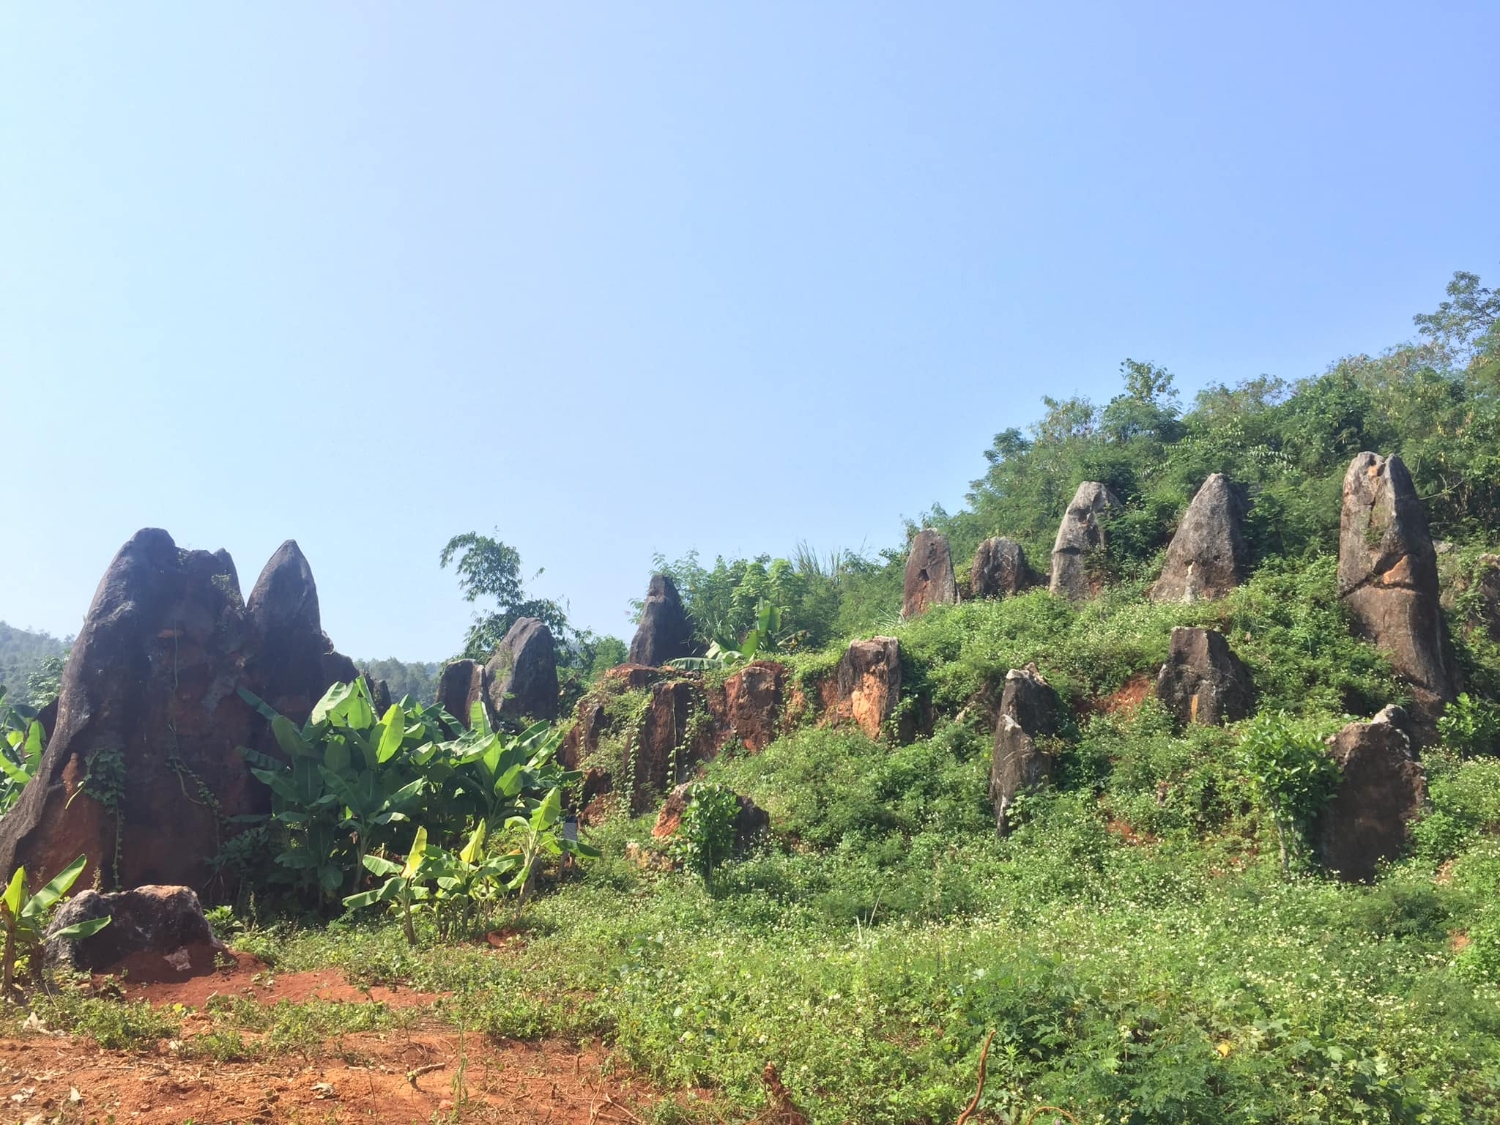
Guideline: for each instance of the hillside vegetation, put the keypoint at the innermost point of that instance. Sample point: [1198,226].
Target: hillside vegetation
[29,664]
[1136,945]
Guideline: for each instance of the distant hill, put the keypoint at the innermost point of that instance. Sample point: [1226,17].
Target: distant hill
[22,653]
[416,680]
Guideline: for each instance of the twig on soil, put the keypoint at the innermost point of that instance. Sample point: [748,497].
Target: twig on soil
[417,1071]
[984,1054]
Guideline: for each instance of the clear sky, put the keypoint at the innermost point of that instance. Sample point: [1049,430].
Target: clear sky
[624,278]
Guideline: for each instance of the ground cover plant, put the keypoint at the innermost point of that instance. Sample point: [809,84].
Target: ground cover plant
[1154,942]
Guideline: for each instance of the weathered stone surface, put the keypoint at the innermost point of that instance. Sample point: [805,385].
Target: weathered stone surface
[523,672]
[665,633]
[676,734]
[582,738]
[148,706]
[155,932]
[149,711]
[1078,536]
[291,656]
[1208,556]
[1202,680]
[750,822]
[1388,576]
[929,574]
[1020,761]
[1382,790]
[866,686]
[461,684]
[1000,569]
[751,704]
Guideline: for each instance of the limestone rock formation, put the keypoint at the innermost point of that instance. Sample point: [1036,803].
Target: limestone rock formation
[523,672]
[750,822]
[148,717]
[867,684]
[673,739]
[1202,680]
[752,704]
[1018,764]
[665,633]
[461,684]
[929,574]
[1078,536]
[1208,556]
[1381,792]
[1000,569]
[155,932]
[1388,576]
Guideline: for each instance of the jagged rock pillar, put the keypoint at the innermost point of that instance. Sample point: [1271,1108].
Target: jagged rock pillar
[1020,762]
[1000,569]
[929,574]
[1079,536]
[1208,556]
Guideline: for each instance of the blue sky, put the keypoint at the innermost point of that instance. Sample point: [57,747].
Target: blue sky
[619,279]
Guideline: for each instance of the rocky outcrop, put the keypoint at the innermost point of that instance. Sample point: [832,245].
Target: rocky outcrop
[750,823]
[1380,794]
[148,720]
[752,704]
[866,685]
[665,633]
[154,932]
[1388,576]
[1208,556]
[461,684]
[676,734]
[1000,569]
[929,574]
[293,658]
[523,672]
[1079,537]
[582,738]
[1021,760]
[1203,681]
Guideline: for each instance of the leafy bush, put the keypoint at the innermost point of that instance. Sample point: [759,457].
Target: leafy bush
[1291,774]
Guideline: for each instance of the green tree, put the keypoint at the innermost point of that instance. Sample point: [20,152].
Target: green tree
[490,569]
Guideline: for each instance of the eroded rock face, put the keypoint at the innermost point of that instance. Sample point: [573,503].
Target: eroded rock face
[750,822]
[1388,576]
[1208,556]
[156,932]
[929,574]
[665,633]
[867,684]
[1078,536]
[583,738]
[1381,793]
[1000,569]
[675,735]
[149,714]
[753,699]
[523,672]
[1020,761]
[461,684]
[1203,681]
[141,772]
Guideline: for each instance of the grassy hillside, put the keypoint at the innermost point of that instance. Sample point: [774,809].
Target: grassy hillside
[1136,946]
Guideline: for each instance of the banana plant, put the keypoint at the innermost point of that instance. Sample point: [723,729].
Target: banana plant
[20,752]
[468,883]
[536,836]
[23,919]
[404,884]
[765,636]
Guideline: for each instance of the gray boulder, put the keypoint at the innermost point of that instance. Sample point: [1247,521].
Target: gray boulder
[1000,569]
[1380,794]
[929,574]
[1202,680]
[523,672]
[461,684]
[1388,577]
[665,633]
[155,932]
[1020,761]
[1079,536]
[1208,556]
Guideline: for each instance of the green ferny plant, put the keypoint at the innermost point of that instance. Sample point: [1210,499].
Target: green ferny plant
[1291,775]
[24,918]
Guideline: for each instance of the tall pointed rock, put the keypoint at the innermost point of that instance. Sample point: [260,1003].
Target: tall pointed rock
[929,574]
[1208,556]
[1079,536]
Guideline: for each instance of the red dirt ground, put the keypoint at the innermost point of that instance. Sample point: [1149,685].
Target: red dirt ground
[396,1076]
